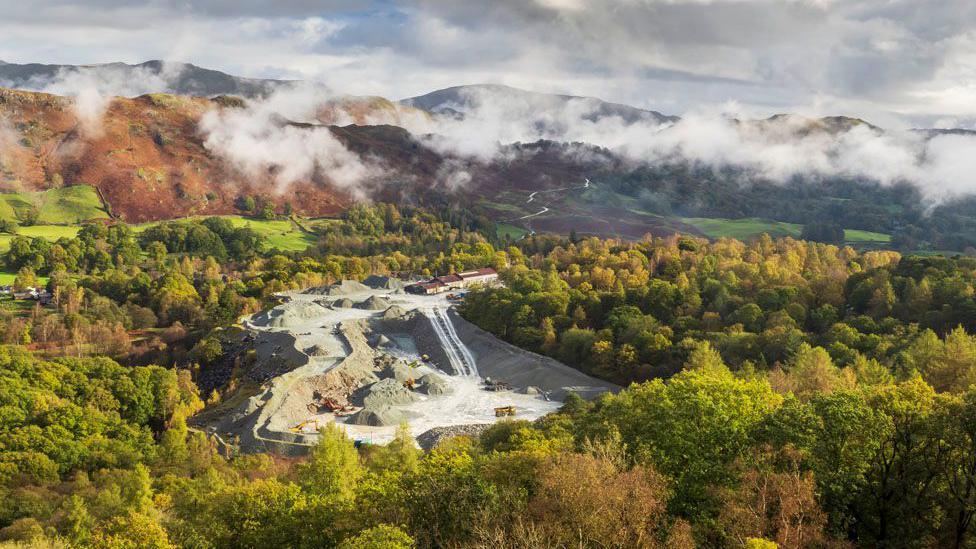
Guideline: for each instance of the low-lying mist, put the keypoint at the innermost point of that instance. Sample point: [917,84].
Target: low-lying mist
[262,139]
[259,139]
[779,149]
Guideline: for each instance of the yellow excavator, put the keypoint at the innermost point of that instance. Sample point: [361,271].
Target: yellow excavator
[301,426]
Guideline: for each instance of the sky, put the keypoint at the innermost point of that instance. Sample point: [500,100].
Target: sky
[896,63]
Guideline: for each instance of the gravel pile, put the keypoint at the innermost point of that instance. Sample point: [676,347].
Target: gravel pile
[344,303]
[388,392]
[378,282]
[380,416]
[435,436]
[345,287]
[394,312]
[433,384]
[373,303]
[399,371]
[289,315]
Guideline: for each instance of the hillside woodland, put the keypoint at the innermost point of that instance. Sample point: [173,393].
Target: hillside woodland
[777,392]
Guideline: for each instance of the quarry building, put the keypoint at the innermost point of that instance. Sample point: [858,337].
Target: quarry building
[454,281]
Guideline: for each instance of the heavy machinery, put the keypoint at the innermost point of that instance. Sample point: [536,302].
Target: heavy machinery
[322,403]
[301,426]
[505,411]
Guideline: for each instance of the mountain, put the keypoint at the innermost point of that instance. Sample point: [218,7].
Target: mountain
[158,156]
[153,76]
[147,157]
[458,100]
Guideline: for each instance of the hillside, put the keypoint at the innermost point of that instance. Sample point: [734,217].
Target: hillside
[161,156]
[170,77]
[146,157]
[458,100]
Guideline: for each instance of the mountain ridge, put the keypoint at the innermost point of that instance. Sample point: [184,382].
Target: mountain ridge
[180,78]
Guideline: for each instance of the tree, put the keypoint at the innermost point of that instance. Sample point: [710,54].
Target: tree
[776,505]
[382,536]
[960,472]
[245,203]
[823,232]
[953,368]
[207,350]
[690,428]
[156,251]
[8,226]
[28,215]
[900,500]
[585,500]
[25,279]
[443,495]
[333,466]
[811,371]
[705,359]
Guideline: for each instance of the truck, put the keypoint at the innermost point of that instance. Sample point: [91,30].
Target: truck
[503,411]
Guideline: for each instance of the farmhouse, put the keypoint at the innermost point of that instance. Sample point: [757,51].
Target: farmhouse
[454,281]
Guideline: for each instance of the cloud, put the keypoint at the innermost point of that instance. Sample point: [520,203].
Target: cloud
[906,58]
[777,149]
[92,89]
[262,141]
[453,175]
[8,139]
[898,63]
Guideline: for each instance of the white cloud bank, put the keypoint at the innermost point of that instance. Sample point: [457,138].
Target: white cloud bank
[259,141]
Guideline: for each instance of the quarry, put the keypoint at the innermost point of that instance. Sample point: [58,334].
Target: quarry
[368,357]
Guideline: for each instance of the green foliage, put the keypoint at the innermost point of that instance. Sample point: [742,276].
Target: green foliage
[245,203]
[79,414]
[691,428]
[333,466]
[383,536]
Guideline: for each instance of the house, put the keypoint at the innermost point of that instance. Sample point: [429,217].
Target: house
[485,275]
[454,281]
[427,288]
[26,293]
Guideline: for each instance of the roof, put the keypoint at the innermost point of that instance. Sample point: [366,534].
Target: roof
[446,279]
[478,272]
[428,285]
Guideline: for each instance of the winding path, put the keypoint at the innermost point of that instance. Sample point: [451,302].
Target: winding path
[545,208]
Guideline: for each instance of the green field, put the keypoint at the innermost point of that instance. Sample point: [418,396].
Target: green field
[49,232]
[68,205]
[282,235]
[853,235]
[742,229]
[515,233]
[6,279]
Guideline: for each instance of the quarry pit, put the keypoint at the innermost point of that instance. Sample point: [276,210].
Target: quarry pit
[370,357]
